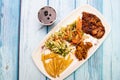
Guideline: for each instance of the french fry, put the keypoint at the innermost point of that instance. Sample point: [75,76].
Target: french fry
[51,66]
[42,57]
[48,70]
[56,64]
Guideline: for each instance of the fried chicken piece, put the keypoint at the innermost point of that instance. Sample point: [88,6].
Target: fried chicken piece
[82,50]
[92,25]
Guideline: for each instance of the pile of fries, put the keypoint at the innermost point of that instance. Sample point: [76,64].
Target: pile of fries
[54,64]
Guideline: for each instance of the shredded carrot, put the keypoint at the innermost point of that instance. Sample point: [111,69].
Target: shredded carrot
[79,24]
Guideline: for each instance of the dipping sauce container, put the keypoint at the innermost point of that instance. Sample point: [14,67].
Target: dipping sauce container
[47,15]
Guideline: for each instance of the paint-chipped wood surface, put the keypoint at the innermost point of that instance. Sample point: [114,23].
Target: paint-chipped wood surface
[21,32]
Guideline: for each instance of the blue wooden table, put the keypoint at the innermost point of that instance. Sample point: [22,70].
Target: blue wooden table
[20,34]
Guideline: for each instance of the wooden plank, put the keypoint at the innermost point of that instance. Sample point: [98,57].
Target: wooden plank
[82,72]
[0,19]
[92,69]
[9,23]
[107,50]
[115,40]
[1,75]
[62,10]
[96,61]
[31,34]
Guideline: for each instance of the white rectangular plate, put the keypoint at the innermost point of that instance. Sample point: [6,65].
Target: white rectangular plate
[69,19]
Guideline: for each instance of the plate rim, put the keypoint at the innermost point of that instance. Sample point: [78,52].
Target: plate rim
[55,28]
